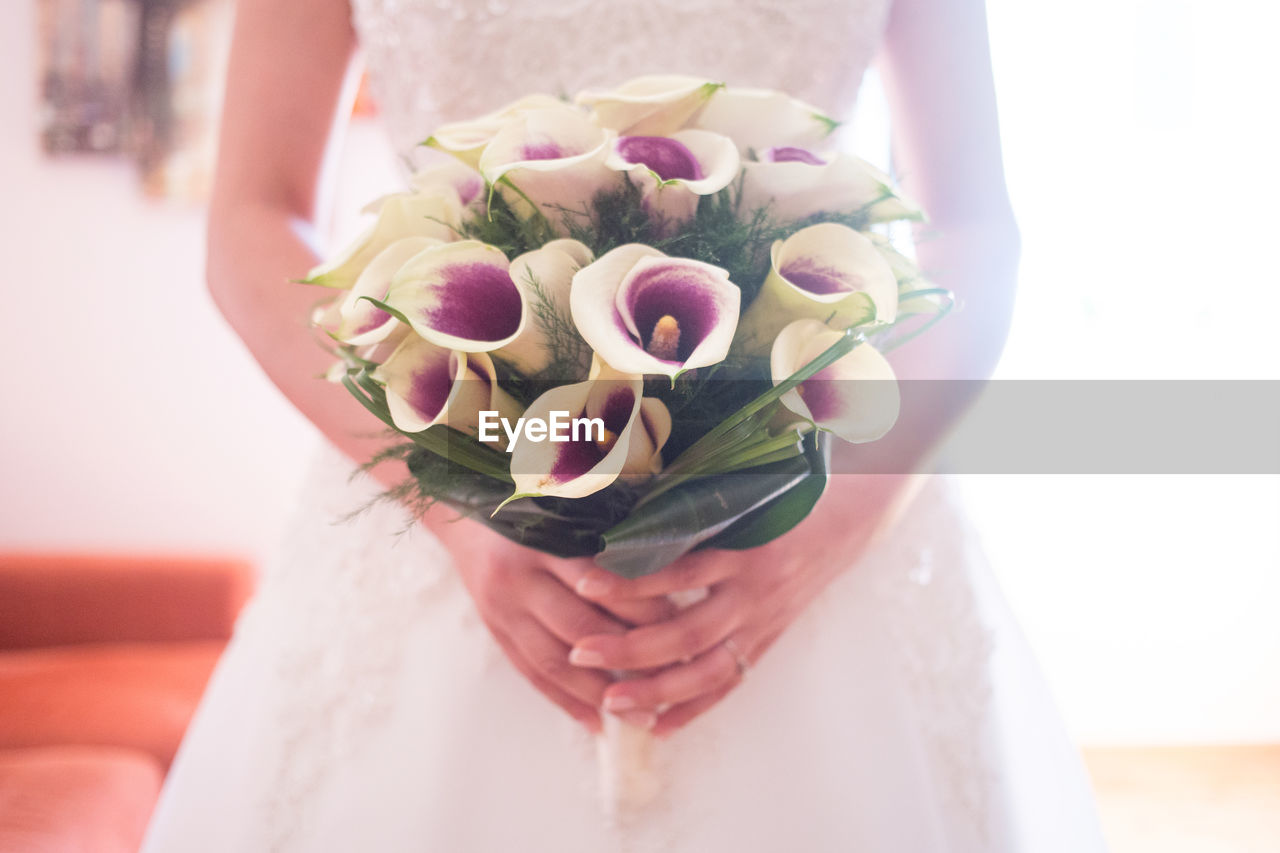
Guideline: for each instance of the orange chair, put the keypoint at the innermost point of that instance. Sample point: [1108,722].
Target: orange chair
[102,661]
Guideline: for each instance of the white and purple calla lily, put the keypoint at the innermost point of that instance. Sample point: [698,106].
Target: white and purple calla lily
[796,182]
[827,272]
[428,385]
[653,105]
[437,216]
[360,322]
[452,176]
[629,445]
[760,119]
[645,313]
[675,171]
[467,139]
[459,296]
[544,277]
[553,159]
[856,398]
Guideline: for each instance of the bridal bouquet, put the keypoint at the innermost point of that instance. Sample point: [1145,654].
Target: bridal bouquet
[626,326]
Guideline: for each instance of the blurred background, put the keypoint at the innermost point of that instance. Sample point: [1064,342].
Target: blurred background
[1141,151]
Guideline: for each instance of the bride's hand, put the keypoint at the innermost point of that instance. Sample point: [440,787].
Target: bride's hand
[752,596]
[527,601]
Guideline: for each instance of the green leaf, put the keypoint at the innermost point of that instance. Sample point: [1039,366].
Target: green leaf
[784,512]
[660,531]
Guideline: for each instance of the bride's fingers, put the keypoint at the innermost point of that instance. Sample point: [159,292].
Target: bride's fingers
[586,714]
[698,570]
[634,611]
[564,614]
[709,673]
[550,659]
[680,639]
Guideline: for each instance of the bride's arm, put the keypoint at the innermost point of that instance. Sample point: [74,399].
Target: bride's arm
[287,91]
[937,73]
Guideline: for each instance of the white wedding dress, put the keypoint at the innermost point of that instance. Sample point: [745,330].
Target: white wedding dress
[363,706]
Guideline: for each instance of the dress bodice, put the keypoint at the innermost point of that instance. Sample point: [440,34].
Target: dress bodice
[432,61]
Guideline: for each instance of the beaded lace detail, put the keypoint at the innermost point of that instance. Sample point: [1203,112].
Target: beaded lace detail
[433,61]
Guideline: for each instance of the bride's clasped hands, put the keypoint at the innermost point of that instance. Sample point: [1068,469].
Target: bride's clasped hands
[591,641]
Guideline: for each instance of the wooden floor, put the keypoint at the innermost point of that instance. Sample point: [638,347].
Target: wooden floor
[1189,799]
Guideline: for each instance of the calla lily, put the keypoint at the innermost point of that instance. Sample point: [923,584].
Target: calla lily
[459,296]
[674,171]
[856,397]
[544,277]
[428,385]
[401,215]
[629,445]
[909,278]
[795,182]
[759,119]
[828,272]
[360,321]
[454,176]
[553,159]
[646,313]
[466,139]
[644,456]
[654,105]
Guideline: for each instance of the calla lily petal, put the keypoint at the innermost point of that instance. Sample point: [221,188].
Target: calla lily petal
[362,322]
[401,215]
[856,397]
[553,159]
[758,119]
[466,139]
[653,105]
[428,385]
[828,272]
[797,183]
[452,176]
[544,277]
[646,313]
[575,469]
[459,296]
[674,171]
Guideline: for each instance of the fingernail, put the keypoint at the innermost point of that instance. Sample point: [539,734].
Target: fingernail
[593,586]
[585,657]
[622,702]
[640,719]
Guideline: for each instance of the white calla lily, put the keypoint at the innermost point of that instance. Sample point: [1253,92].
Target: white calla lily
[795,183]
[452,176]
[645,313]
[428,385]
[466,139]
[544,277]
[653,105]
[629,445]
[360,321]
[400,215]
[759,119]
[552,159]
[459,296]
[827,272]
[856,397]
[675,171]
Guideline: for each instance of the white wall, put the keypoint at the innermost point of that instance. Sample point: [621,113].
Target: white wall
[131,416]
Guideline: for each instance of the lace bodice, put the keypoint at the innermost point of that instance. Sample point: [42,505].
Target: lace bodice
[433,61]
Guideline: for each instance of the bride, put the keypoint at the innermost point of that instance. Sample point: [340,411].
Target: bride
[853,685]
